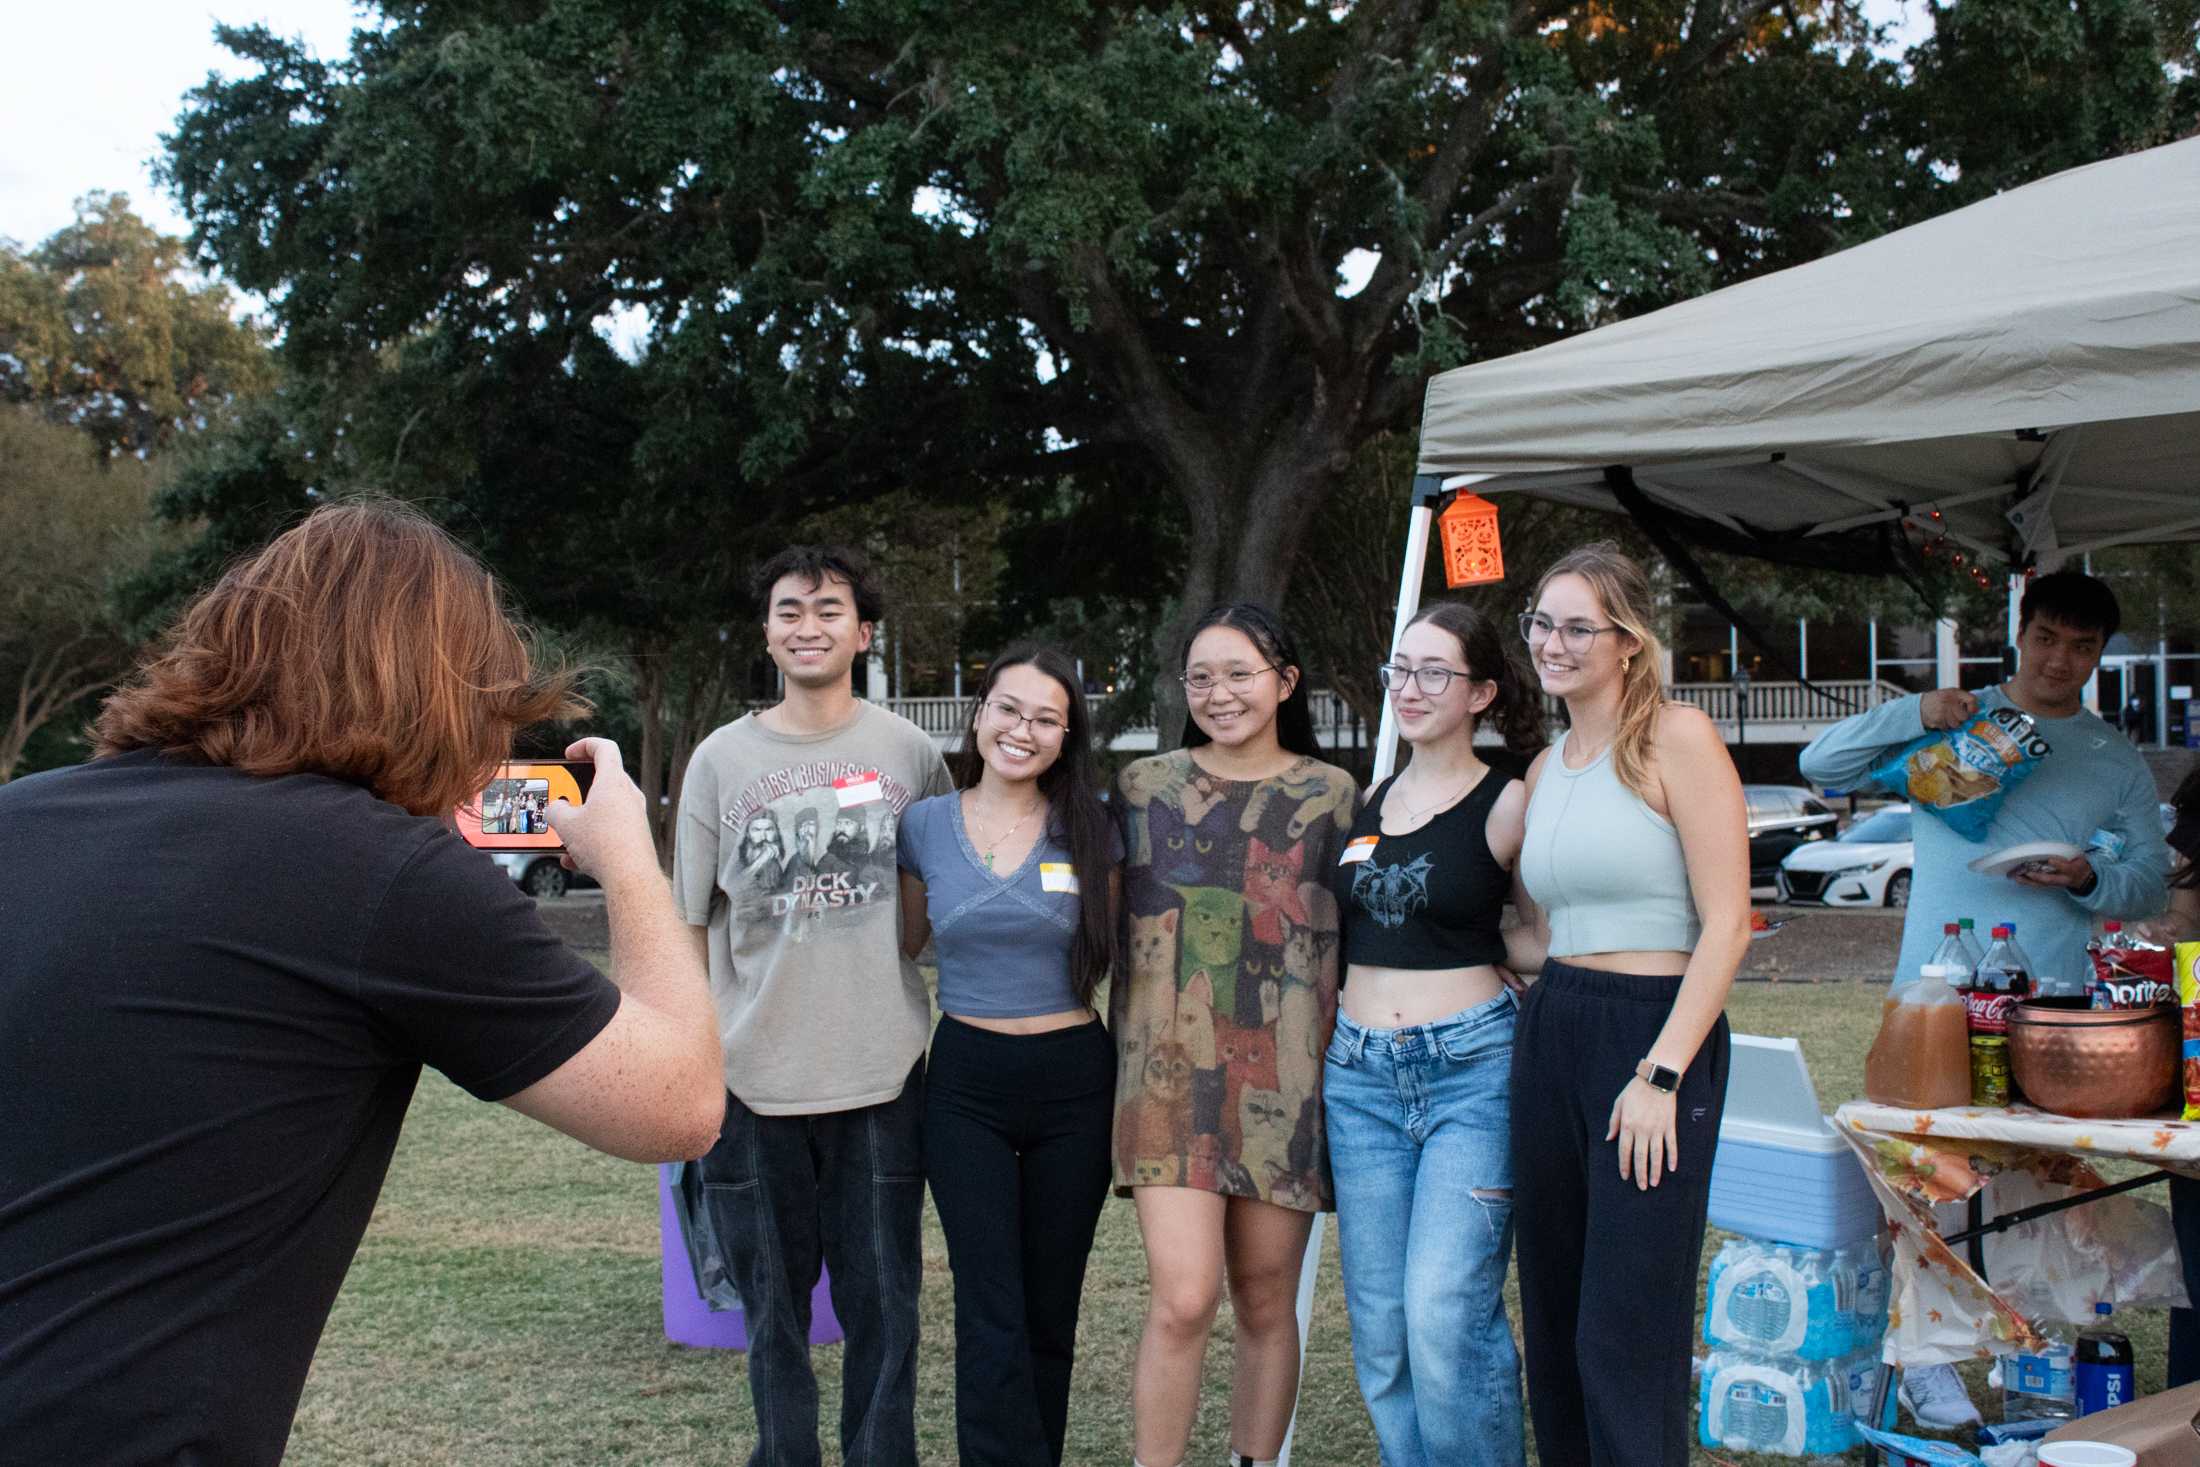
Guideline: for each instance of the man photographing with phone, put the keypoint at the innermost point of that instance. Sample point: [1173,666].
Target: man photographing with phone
[232,940]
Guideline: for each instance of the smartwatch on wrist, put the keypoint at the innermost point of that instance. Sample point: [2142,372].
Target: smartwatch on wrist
[1657,1076]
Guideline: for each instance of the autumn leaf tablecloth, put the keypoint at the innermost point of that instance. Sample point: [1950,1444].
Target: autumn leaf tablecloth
[2120,1248]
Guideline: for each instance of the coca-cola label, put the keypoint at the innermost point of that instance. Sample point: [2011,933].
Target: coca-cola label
[1986,1010]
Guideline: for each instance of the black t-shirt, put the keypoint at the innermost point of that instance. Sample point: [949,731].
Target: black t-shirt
[1431,898]
[216,993]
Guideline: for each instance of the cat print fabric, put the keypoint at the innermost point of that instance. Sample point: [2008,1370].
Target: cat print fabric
[1228,987]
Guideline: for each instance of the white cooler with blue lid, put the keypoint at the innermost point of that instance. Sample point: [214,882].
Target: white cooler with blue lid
[1781,1172]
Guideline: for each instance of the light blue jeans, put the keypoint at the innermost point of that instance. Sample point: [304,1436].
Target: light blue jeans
[1418,1125]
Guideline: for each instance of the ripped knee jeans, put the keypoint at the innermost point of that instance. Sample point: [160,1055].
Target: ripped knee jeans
[1419,1121]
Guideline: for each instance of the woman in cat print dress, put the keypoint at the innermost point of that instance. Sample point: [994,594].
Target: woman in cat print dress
[1224,1005]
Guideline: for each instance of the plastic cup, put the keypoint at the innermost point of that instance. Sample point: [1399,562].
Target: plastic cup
[2086,1454]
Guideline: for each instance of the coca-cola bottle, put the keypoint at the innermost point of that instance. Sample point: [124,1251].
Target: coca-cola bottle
[2004,976]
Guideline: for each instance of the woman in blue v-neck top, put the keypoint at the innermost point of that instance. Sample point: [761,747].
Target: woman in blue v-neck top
[1013,879]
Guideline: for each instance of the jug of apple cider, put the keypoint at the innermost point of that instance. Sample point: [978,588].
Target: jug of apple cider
[1922,1056]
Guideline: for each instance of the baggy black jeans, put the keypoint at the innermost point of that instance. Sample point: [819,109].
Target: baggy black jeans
[2184,1324]
[1016,1131]
[1607,1270]
[845,1189]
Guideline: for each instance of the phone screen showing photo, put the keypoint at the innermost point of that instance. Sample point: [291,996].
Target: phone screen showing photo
[513,812]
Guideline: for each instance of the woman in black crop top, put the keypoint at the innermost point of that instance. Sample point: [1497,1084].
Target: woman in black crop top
[1416,1081]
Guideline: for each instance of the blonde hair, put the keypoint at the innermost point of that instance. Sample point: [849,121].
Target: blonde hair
[1623,590]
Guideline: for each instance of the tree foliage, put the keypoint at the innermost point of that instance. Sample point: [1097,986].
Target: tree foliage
[72,524]
[1017,245]
[101,328]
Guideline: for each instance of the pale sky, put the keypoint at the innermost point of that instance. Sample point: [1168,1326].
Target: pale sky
[96,82]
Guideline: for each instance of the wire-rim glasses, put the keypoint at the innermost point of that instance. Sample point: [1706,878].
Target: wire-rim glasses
[1239,679]
[1006,716]
[1576,637]
[1433,681]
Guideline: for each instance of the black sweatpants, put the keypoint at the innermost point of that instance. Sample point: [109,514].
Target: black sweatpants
[1016,1131]
[1607,1270]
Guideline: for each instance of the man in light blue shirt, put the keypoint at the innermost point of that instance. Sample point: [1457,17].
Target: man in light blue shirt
[2091,779]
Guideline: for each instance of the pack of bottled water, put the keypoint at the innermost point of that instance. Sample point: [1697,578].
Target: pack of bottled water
[1795,1335]
[1784,1406]
[1775,1299]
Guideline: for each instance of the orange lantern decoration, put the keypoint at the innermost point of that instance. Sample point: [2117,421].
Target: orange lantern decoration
[1472,554]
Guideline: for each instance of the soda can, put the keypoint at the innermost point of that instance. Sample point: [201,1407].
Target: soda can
[1990,1069]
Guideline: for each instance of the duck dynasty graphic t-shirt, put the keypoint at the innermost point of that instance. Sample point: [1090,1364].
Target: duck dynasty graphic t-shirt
[786,852]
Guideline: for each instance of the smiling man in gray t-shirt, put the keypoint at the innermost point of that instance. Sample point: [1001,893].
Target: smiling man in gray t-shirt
[784,866]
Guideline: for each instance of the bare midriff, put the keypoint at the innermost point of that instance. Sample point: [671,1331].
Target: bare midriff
[1030,1023]
[1397,998]
[1643,964]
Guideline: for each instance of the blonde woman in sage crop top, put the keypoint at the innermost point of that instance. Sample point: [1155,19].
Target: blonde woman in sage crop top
[1634,892]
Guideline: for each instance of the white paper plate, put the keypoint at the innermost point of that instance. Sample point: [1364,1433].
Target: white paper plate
[2009,858]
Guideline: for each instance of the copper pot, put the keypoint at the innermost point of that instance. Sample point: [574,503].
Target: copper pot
[2095,1064]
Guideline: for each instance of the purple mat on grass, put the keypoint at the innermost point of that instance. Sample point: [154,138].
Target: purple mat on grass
[689,1321]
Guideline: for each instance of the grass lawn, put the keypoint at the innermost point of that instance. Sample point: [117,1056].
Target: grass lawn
[504,1306]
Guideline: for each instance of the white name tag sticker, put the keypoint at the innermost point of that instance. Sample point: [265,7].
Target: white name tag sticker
[858,789]
[1358,850]
[1058,876]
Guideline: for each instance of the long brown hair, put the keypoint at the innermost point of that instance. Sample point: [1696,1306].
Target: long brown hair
[1623,591]
[1517,710]
[362,643]
[1075,815]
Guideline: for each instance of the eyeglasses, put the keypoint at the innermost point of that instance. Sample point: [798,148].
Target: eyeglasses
[1575,636]
[1005,717]
[1434,682]
[1203,683]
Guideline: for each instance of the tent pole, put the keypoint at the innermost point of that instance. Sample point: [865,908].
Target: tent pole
[1428,496]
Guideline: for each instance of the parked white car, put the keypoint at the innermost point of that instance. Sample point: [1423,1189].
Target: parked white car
[537,874]
[1867,865]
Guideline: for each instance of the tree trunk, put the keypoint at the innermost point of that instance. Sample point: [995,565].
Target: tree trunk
[649,698]
[54,682]
[681,693]
[1246,534]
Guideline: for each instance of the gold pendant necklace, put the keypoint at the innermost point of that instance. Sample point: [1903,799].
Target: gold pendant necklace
[997,844]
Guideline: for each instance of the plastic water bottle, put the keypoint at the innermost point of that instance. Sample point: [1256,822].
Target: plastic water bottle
[2104,1365]
[2043,1384]
[1957,956]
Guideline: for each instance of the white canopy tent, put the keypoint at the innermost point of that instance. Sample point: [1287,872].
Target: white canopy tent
[2029,367]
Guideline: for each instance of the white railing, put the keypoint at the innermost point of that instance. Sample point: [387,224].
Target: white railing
[945,718]
[1786,702]
[1787,708]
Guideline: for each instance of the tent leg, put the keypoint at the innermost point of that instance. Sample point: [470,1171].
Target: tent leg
[1426,493]
[1310,1268]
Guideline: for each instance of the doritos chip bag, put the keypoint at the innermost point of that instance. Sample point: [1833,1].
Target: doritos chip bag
[1961,774]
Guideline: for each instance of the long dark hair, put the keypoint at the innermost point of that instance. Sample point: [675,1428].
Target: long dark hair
[1294,715]
[1517,710]
[1075,815]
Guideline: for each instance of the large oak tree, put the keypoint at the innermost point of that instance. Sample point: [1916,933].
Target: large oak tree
[1000,246]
